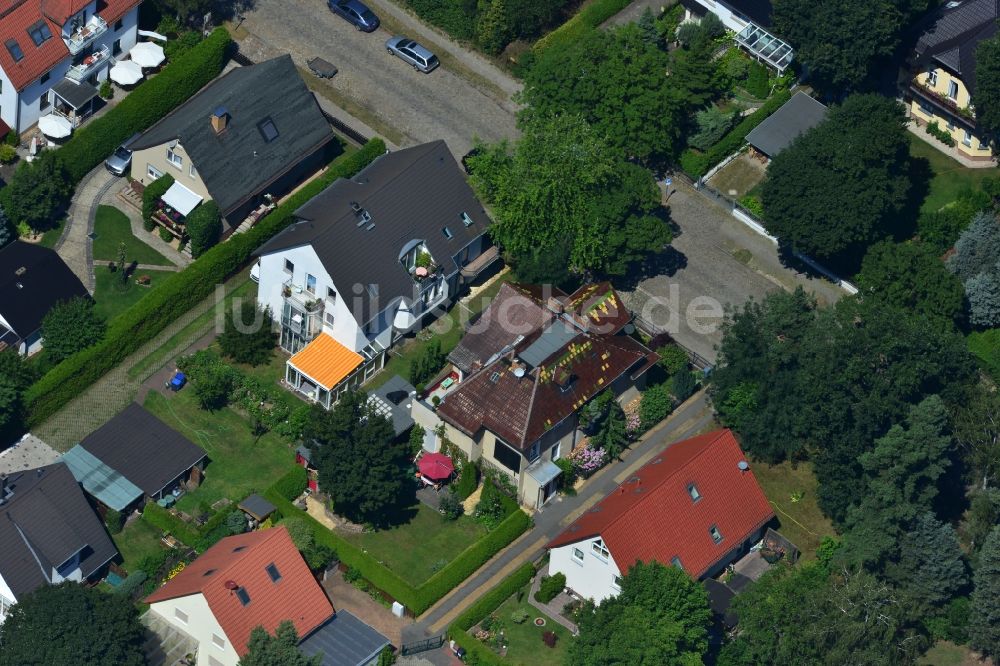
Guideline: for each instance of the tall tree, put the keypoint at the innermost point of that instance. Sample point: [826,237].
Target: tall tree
[249,335]
[977,431]
[987,96]
[16,375]
[931,567]
[984,618]
[361,464]
[71,326]
[281,649]
[618,82]
[978,248]
[72,624]
[37,192]
[564,184]
[660,617]
[841,185]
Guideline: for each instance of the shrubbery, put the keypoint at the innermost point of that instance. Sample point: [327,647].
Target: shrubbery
[217,384]
[656,405]
[550,587]
[577,28]
[476,652]
[132,583]
[291,485]
[203,227]
[113,521]
[427,364]
[757,83]
[944,136]
[151,196]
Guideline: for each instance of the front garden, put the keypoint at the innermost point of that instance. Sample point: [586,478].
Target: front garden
[522,634]
[115,293]
[112,229]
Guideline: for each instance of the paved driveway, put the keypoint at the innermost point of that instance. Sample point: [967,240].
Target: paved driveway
[419,107]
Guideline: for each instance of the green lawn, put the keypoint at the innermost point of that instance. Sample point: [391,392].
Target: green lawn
[111,229]
[948,176]
[110,299]
[524,641]
[945,653]
[419,548]
[137,541]
[792,492]
[237,464]
[50,237]
[270,373]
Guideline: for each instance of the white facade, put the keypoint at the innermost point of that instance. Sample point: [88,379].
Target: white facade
[7,599]
[589,568]
[192,615]
[730,18]
[22,109]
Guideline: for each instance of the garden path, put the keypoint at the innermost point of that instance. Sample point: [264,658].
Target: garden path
[75,246]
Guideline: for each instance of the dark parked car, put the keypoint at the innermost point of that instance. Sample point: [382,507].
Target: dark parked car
[408,50]
[356,13]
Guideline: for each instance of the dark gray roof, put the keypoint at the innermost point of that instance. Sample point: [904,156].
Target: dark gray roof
[393,400]
[239,163]
[778,130]
[25,299]
[144,449]
[954,34]
[344,641]
[44,521]
[257,506]
[758,11]
[414,193]
[76,94]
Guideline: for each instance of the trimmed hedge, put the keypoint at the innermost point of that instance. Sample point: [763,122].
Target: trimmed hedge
[417,599]
[696,164]
[156,515]
[131,583]
[179,293]
[291,485]
[576,29]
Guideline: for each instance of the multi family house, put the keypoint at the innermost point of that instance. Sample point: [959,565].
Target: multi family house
[32,280]
[258,579]
[366,261]
[696,506]
[56,51]
[49,533]
[942,83]
[250,136]
[750,20]
[518,379]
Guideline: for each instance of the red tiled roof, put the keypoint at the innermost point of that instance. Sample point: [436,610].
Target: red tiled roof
[112,10]
[651,516]
[242,559]
[60,10]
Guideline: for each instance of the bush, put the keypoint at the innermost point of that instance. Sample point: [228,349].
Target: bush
[248,336]
[106,91]
[113,521]
[476,651]
[941,135]
[177,294]
[656,405]
[550,587]
[12,138]
[673,359]
[38,192]
[204,227]
[757,84]
[165,235]
[753,204]
[427,363]
[8,154]
[491,509]
[150,196]
[132,583]
[212,386]
[985,346]
[577,28]
[468,480]
[451,508]
[292,484]
[713,123]
[683,385]
[568,476]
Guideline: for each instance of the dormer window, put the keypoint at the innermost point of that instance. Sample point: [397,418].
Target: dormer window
[447,233]
[715,533]
[466,220]
[693,492]
[39,32]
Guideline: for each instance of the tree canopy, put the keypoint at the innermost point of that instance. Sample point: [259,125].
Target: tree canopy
[661,616]
[984,618]
[281,649]
[72,624]
[976,262]
[37,192]
[911,276]
[564,185]
[987,96]
[16,375]
[361,465]
[248,336]
[841,185]
[71,326]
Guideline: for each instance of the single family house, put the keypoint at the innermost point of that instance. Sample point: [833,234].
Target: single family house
[696,506]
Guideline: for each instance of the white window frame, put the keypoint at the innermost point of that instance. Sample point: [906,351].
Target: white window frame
[578,560]
[600,551]
[218,641]
[967,138]
[952,90]
[192,171]
[152,172]
[616,582]
[556,450]
[181,616]
[712,531]
[932,77]
[175,160]
[311,290]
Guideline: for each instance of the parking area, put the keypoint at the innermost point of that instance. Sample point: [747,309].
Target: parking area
[739,176]
[408,107]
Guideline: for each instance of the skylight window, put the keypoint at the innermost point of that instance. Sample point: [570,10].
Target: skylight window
[15,50]
[447,233]
[716,534]
[273,572]
[243,596]
[238,549]
[693,492]
[268,130]
[39,32]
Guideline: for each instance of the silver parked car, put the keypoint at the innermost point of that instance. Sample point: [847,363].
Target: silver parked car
[121,159]
[413,53]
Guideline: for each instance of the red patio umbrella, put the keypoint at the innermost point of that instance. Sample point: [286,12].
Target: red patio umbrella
[436,466]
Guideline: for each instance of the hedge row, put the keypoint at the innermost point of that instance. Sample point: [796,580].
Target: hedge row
[696,164]
[179,293]
[485,605]
[420,598]
[148,103]
[576,29]
[291,485]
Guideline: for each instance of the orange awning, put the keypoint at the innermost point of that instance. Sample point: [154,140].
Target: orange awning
[326,361]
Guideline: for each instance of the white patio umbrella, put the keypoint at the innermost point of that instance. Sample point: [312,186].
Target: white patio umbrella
[126,73]
[147,54]
[55,126]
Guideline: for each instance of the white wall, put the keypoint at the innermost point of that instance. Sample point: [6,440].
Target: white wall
[725,14]
[200,626]
[7,598]
[8,101]
[592,578]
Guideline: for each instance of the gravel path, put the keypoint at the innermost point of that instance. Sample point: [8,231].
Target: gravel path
[74,246]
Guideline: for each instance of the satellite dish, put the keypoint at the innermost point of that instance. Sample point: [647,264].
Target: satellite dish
[743,465]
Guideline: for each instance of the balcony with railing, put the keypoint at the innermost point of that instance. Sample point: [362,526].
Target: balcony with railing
[89,65]
[302,312]
[85,35]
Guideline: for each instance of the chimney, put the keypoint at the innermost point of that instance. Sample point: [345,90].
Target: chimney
[220,119]
[20,271]
[231,585]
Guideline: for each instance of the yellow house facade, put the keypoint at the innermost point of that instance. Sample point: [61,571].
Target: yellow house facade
[952,111]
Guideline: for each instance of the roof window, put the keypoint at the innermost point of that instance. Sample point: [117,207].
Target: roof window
[447,233]
[208,572]
[693,492]
[15,50]
[243,596]
[239,548]
[716,534]
[268,130]
[676,561]
[466,220]
[39,32]
[273,572]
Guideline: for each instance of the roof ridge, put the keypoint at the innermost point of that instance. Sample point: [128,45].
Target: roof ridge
[531,406]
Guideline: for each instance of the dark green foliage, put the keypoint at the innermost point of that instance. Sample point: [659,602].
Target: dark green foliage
[249,335]
[113,520]
[361,465]
[987,96]
[660,617]
[16,375]
[72,624]
[911,276]
[713,123]
[492,600]
[610,432]
[12,138]
[451,507]
[493,506]
[38,192]
[7,231]
[291,485]
[236,523]
[656,405]
[942,135]
[132,583]
[931,569]
[757,83]
[176,294]
[580,27]
[468,480]
[952,624]
[71,326]
[550,587]
[281,649]
[213,385]
[317,555]
[978,248]
[154,514]
[841,185]
[428,363]
[683,385]
[490,24]
[203,226]
[809,616]
[542,264]
[984,513]
[984,615]
[673,359]
[151,196]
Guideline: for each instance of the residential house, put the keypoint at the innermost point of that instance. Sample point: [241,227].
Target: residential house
[134,457]
[366,261]
[49,533]
[942,82]
[696,506]
[519,378]
[253,134]
[55,53]
[751,21]
[258,579]
[32,279]
[796,116]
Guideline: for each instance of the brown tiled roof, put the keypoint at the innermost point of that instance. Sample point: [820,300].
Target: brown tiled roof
[60,10]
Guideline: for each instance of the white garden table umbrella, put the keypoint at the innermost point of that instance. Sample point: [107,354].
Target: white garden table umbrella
[126,73]
[55,126]
[147,54]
